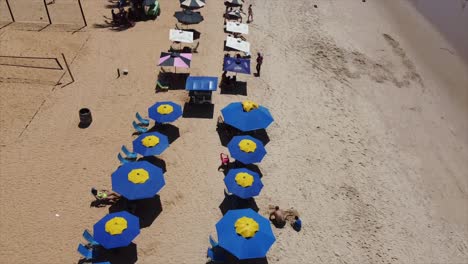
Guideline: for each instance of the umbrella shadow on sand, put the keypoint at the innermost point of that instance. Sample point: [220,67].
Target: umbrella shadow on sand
[231,259]
[239,88]
[175,81]
[155,161]
[192,110]
[232,202]
[147,210]
[238,165]
[227,132]
[122,255]
[172,132]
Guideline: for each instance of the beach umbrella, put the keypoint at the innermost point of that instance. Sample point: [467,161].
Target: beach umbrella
[117,230]
[175,59]
[192,3]
[150,144]
[246,149]
[243,183]
[235,2]
[236,65]
[165,112]
[138,180]
[257,118]
[188,17]
[245,234]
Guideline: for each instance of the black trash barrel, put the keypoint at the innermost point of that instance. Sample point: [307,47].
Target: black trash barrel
[85,118]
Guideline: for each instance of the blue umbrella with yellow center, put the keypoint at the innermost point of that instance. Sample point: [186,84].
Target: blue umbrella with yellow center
[117,230]
[150,144]
[247,116]
[165,112]
[246,149]
[243,183]
[245,234]
[138,180]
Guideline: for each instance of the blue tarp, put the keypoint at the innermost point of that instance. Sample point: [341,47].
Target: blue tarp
[201,83]
[236,65]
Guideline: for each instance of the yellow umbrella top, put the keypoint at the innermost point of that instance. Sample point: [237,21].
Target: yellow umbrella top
[116,225]
[246,227]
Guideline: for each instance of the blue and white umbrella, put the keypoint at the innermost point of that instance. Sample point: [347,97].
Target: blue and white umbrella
[192,3]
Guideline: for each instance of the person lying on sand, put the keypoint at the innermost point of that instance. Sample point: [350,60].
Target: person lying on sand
[277,216]
[105,195]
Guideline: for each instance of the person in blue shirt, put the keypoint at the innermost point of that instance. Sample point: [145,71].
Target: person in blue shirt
[297,225]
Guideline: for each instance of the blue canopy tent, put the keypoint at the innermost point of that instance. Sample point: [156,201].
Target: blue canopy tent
[237,65]
[246,149]
[243,183]
[117,230]
[200,88]
[245,234]
[165,112]
[138,180]
[234,115]
[150,144]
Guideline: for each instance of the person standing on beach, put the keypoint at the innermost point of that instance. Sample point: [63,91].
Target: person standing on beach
[250,16]
[259,63]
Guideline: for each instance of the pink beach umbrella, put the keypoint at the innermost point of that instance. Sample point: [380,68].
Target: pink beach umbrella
[174,59]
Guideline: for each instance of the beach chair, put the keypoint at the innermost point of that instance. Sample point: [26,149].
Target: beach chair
[195,49]
[213,242]
[138,128]
[143,121]
[161,87]
[86,253]
[122,159]
[130,155]
[215,256]
[87,235]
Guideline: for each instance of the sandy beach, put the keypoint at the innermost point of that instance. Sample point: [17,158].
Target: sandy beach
[369,143]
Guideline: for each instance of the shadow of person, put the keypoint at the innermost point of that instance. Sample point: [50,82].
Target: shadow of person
[172,132]
[232,202]
[101,203]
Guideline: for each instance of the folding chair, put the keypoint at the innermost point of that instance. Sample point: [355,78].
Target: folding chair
[143,121]
[130,155]
[86,253]
[138,128]
[122,159]
[87,235]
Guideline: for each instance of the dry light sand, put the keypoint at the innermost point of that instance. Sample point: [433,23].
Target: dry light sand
[370,140]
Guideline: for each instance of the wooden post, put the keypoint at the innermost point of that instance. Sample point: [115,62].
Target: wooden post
[47,11]
[9,9]
[82,13]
